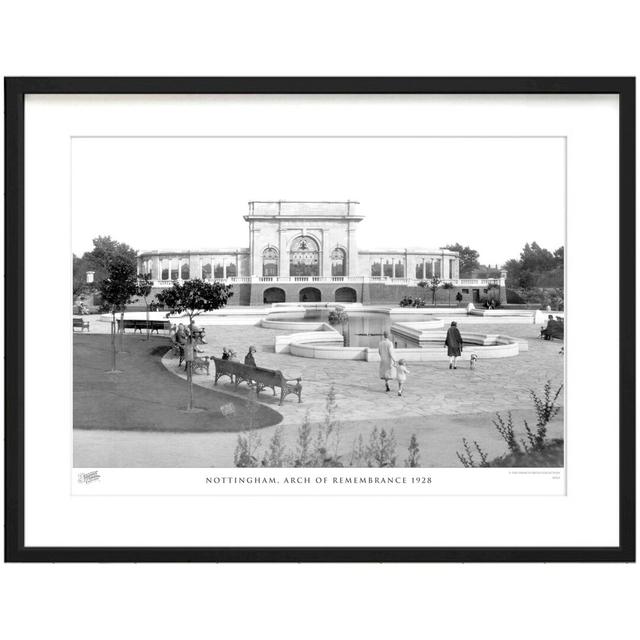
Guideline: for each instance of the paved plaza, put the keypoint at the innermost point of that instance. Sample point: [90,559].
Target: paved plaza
[440,406]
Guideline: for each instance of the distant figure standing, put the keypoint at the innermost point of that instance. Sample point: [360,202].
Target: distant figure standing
[459,297]
[402,375]
[387,360]
[225,353]
[453,342]
[249,359]
[181,338]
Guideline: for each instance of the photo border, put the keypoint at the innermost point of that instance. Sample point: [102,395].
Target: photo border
[15,91]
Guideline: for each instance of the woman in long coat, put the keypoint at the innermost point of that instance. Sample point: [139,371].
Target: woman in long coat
[387,360]
[453,342]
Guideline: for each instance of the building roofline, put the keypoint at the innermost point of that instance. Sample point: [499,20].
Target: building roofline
[303,202]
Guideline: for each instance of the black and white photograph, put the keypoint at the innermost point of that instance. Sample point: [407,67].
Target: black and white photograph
[324,301]
[320,302]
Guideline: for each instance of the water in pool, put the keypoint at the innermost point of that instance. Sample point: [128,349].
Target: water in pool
[362,330]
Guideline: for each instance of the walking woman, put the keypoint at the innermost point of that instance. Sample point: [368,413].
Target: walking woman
[453,343]
[387,360]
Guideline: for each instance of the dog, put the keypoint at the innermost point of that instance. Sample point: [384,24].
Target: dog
[472,360]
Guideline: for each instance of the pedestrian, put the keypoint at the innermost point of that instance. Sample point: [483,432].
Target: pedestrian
[453,342]
[387,360]
[182,339]
[402,375]
[249,359]
[225,353]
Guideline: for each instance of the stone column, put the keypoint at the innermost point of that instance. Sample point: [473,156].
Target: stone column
[352,250]
[251,249]
[324,258]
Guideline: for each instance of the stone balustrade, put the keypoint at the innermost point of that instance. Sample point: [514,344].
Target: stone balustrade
[412,282]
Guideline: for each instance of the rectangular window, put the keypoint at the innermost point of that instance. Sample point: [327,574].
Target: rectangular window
[419,271]
[218,271]
[399,270]
[388,269]
[465,291]
[165,270]
[376,270]
[206,271]
[174,272]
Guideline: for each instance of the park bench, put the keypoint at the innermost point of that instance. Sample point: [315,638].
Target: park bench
[258,376]
[141,325]
[79,323]
[554,329]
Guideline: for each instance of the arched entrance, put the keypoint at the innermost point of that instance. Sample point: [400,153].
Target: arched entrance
[304,258]
[338,262]
[310,294]
[346,294]
[273,294]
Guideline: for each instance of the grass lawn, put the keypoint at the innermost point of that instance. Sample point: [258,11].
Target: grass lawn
[147,397]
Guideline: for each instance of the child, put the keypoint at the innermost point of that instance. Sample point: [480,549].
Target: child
[402,375]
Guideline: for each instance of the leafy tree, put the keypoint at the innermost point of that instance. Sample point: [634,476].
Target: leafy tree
[433,285]
[468,258]
[536,267]
[118,290]
[449,286]
[192,297]
[144,291]
[104,252]
[80,269]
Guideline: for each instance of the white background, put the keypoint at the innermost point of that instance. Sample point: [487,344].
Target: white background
[489,38]
[412,191]
[586,516]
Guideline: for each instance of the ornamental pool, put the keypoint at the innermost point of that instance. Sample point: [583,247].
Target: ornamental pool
[363,328]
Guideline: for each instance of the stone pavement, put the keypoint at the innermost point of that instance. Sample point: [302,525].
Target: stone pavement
[439,404]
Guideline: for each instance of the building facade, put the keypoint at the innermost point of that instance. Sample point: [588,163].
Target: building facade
[308,252]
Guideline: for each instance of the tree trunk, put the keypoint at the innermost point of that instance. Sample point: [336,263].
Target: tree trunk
[189,366]
[113,340]
[122,330]
[146,304]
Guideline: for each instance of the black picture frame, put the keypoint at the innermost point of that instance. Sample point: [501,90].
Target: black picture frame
[15,91]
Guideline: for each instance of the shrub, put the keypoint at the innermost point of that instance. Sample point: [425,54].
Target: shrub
[413,460]
[534,450]
[338,316]
[381,450]
[275,453]
[321,449]
[246,448]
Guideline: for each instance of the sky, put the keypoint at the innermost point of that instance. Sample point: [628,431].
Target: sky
[493,194]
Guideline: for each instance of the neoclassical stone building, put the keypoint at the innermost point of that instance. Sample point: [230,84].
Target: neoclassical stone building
[308,252]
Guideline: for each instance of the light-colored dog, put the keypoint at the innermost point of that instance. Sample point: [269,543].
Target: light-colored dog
[472,360]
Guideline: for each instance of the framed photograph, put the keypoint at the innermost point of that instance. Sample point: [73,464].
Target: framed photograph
[320,319]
